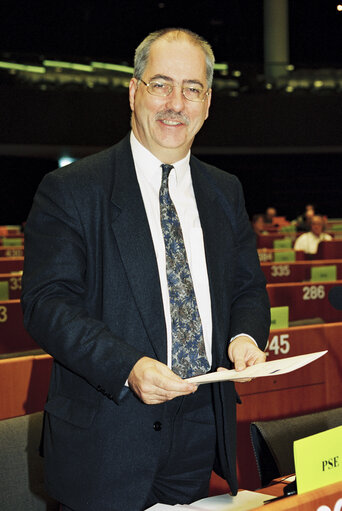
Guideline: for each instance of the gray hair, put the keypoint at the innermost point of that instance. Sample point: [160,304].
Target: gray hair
[142,52]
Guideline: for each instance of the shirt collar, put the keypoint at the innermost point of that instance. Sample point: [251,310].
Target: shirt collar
[146,163]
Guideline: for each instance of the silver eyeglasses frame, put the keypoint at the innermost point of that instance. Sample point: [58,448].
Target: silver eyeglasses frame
[170,88]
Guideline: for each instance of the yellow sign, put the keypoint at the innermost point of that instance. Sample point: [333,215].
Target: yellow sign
[318,460]
[279,317]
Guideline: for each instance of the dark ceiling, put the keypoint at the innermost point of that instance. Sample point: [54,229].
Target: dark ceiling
[113,28]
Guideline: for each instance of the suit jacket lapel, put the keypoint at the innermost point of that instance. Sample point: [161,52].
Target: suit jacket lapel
[218,236]
[132,232]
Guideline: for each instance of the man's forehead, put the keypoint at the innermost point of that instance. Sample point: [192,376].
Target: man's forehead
[181,55]
[169,48]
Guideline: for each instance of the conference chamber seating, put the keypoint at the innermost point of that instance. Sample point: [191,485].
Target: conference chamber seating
[308,390]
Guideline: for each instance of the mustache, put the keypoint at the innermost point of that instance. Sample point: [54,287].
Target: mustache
[171,115]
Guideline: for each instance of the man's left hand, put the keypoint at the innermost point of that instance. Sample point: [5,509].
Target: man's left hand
[243,352]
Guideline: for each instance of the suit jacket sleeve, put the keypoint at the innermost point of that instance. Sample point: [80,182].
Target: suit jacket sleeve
[55,300]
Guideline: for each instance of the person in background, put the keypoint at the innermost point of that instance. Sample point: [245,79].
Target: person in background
[309,241]
[259,224]
[140,272]
[270,213]
[303,222]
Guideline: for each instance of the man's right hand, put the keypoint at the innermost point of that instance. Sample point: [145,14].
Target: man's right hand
[154,383]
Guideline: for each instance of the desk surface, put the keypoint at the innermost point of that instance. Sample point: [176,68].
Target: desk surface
[328,496]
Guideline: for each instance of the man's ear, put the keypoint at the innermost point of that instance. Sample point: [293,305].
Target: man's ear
[133,85]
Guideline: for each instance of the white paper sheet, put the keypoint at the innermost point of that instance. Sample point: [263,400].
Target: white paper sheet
[243,501]
[272,368]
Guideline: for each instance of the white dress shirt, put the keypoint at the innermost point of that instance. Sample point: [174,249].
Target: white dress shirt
[149,174]
[309,242]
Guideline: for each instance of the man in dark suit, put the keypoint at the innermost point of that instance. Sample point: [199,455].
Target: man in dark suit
[123,427]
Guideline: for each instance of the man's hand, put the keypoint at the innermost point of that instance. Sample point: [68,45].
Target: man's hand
[243,352]
[154,383]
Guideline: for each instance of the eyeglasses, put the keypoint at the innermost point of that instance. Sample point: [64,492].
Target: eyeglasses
[193,93]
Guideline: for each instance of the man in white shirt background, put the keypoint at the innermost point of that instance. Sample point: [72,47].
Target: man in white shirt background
[122,429]
[309,241]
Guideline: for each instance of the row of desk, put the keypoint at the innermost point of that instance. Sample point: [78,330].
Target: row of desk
[287,240]
[297,271]
[307,301]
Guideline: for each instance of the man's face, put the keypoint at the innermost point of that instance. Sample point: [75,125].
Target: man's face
[316,225]
[167,125]
[270,212]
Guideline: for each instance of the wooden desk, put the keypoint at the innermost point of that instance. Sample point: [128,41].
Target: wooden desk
[329,497]
[266,240]
[297,271]
[305,300]
[269,254]
[276,487]
[14,284]
[24,383]
[13,336]
[8,264]
[330,249]
[12,251]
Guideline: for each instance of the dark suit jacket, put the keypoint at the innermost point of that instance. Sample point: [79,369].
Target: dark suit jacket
[91,298]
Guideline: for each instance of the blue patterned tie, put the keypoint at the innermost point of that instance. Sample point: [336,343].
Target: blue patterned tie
[188,351]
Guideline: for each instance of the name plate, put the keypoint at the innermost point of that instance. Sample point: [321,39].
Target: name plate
[4,290]
[324,273]
[286,256]
[318,460]
[282,243]
[12,242]
[279,317]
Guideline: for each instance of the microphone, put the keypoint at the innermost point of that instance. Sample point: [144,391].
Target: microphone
[335,297]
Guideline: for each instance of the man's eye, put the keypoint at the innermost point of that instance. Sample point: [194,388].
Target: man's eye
[158,85]
[194,91]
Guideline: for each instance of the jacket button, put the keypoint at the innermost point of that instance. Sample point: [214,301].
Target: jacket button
[157,426]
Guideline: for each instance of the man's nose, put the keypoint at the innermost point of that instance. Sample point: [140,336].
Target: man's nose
[176,99]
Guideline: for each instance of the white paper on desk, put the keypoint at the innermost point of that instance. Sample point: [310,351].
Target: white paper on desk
[243,501]
[272,368]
